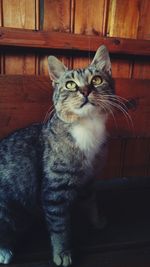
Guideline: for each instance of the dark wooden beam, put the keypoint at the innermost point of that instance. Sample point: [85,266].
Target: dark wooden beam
[67,41]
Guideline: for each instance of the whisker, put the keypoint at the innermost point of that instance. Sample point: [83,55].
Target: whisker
[120,106]
[49,113]
[107,108]
[127,116]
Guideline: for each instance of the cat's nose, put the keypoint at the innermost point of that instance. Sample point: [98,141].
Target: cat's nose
[85,90]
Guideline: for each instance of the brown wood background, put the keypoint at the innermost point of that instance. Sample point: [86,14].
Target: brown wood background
[129,155]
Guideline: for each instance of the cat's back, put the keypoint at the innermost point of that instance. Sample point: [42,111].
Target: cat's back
[19,159]
[20,140]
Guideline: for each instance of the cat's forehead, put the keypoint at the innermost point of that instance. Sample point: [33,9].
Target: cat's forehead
[80,73]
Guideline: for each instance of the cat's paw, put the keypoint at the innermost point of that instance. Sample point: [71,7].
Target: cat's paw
[63,259]
[5,256]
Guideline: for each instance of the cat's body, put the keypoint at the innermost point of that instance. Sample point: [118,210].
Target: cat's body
[48,166]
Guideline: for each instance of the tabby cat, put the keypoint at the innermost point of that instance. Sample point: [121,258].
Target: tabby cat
[52,164]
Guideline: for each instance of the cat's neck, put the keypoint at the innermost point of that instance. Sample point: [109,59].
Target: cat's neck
[89,134]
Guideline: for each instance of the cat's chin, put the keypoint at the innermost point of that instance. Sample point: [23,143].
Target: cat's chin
[85,110]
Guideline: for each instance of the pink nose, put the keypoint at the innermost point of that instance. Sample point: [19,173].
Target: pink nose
[85,91]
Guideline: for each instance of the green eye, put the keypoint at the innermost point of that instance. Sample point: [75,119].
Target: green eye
[71,85]
[96,80]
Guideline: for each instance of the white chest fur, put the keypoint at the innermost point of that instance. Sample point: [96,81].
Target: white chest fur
[89,134]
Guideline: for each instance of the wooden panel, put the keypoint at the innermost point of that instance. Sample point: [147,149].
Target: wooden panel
[89,17]
[81,62]
[141,69]
[88,23]
[19,14]
[1,14]
[113,160]
[24,100]
[19,64]
[144,20]
[138,94]
[66,41]
[121,68]
[123,18]
[16,91]
[57,15]
[136,157]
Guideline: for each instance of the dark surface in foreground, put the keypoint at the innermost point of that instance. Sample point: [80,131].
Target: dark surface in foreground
[125,242]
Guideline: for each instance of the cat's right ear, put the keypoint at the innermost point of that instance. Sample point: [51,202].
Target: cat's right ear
[55,68]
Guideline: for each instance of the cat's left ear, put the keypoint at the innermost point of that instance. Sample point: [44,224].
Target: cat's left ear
[102,60]
[55,67]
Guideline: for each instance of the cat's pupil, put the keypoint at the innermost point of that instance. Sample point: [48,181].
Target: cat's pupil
[96,80]
[71,85]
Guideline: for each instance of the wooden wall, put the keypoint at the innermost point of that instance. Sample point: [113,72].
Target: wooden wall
[113,18]
[120,18]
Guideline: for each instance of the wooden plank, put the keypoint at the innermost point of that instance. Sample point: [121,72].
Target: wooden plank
[26,99]
[1,14]
[141,69]
[88,23]
[56,16]
[123,18]
[113,160]
[19,64]
[144,20]
[137,123]
[68,41]
[121,68]
[19,14]
[91,18]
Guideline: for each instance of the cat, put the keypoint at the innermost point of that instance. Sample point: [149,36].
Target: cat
[49,166]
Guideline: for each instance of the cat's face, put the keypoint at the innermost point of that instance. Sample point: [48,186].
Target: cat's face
[82,92]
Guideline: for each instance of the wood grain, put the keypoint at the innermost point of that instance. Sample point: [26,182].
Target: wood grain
[86,20]
[56,18]
[121,68]
[138,93]
[141,69]
[144,20]
[24,100]
[19,14]
[68,41]
[123,18]
[19,63]
[57,15]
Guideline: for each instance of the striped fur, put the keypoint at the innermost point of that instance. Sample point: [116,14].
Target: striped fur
[49,166]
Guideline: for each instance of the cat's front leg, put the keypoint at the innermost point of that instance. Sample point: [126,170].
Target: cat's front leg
[57,213]
[61,255]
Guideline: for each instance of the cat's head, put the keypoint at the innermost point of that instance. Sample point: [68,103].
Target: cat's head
[82,92]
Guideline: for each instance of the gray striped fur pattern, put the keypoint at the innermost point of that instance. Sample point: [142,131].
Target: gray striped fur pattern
[49,166]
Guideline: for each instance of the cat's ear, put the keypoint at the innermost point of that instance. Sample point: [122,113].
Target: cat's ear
[102,60]
[55,68]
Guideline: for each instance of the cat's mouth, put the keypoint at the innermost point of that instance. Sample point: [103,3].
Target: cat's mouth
[85,102]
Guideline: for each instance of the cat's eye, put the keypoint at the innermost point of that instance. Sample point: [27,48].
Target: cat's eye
[71,85]
[96,80]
